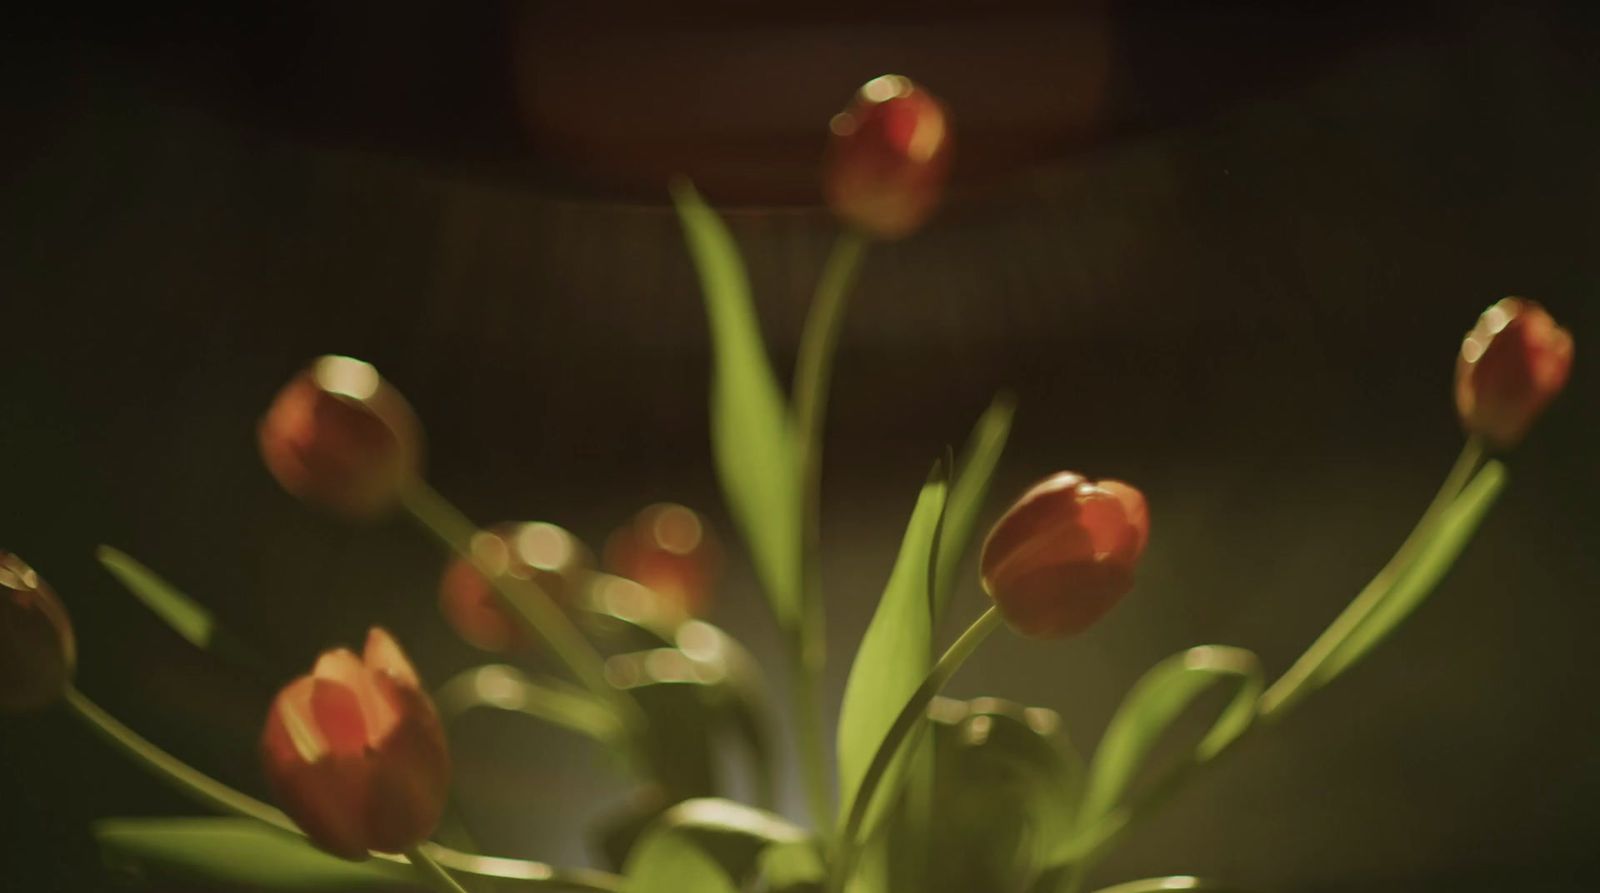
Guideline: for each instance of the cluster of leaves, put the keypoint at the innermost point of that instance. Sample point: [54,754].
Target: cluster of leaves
[987,795]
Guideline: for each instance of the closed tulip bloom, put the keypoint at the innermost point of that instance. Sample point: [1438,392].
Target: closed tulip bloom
[670,549]
[37,650]
[356,752]
[888,158]
[1512,364]
[543,553]
[338,435]
[1064,553]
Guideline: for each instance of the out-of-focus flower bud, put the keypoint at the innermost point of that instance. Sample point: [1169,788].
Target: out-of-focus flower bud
[888,158]
[37,650]
[340,436]
[544,553]
[670,549]
[1512,363]
[356,752]
[1064,553]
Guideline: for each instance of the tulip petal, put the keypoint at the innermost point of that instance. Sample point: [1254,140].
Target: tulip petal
[410,771]
[322,789]
[384,655]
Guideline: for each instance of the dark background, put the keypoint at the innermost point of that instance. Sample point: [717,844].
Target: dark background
[1221,253]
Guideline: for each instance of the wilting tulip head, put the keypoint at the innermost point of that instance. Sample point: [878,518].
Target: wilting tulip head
[670,549]
[37,650]
[543,553]
[888,158]
[1064,553]
[1512,364]
[356,753]
[340,436]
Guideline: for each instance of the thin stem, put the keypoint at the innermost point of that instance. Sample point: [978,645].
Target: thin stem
[430,869]
[1305,673]
[207,790]
[910,722]
[222,798]
[813,373]
[527,601]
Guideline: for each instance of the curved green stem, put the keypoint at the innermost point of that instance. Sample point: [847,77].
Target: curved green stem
[537,611]
[1307,670]
[222,798]
[911,719]
[188,780]
[813,373]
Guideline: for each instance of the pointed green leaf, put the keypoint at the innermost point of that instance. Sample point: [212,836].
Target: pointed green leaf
[231,852]
[1171,884]
[751,434]
[1149,710]
[1430,565]
[186,617]
[894,656]
[974,472]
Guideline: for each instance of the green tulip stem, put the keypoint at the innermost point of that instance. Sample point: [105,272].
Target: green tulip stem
[430,869]
[537,611]
[207,790]
[813,374]
[219,797]
[910,722]
[1306,673]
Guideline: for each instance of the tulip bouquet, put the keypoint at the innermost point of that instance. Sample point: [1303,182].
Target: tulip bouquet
[930,794]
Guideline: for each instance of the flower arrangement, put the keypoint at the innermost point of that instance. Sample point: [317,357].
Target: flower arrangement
[930,793]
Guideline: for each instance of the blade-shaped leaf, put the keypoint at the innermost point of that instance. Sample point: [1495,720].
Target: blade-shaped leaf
[973,474]
[1432,562]
[1150,708]
[187,617]
[245,853]
[893,658]
[751,434]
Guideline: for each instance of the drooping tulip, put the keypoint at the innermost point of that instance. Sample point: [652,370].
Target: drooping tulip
[338,435]
[888,158]
[356,753]
[1511,365]
[543,553]
[670,549]
[38,652]
[1064,553]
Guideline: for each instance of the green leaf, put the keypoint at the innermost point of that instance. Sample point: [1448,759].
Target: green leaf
[751,434]
[1153,704]
[893,659]
[1006,785]
[231,852]
[1426,570]
[706,844]
[792,868]
[1176,882]
[671,861]
[974,473]
[503,687]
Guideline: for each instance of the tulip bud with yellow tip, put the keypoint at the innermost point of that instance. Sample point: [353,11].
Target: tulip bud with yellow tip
[1511,365]
[37,650]
[888,158]
[542,553]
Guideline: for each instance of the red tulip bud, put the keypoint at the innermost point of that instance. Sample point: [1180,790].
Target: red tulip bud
[356,753]
[340,436]
[669,549]
[888,158]
[1512,364]
[1064,553]
[543,553]
[37,650]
